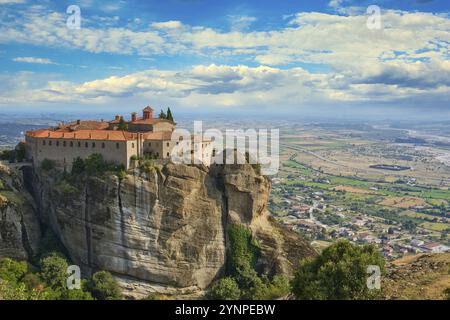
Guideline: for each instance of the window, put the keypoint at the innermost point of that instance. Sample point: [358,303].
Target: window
[103,145]
[57,143]
[93,144]
[168,144]
[71,143]
[117,145]
[150,144]
[157,154]
[168,154]
[177,142]
[79,144]
[132,145]
[50,143]
[64,144]
[86,145]
[43,142]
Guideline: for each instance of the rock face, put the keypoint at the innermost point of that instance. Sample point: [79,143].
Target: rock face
[19,226]
[164,231]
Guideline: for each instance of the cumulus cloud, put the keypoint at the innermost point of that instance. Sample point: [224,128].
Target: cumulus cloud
[406,59]
[225,86]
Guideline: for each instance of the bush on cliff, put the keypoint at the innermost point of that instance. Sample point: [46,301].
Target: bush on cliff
[225,289]
[243,281]
[339,273]
[12,271]
[47,165]
[94,165]
[54,271]
[104,287]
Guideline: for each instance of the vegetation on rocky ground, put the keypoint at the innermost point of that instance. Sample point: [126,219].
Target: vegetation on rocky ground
[339,273]
[48,281]
[242,280]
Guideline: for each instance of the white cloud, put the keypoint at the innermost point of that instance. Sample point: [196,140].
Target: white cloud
[239,23]
[33,60]
[11,1]
[230,86]
[172,24]
[407,59]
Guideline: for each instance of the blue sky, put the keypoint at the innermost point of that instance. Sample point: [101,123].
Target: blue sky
[205,55]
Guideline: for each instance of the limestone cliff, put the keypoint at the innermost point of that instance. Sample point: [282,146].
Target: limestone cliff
[19,226]
[163,231]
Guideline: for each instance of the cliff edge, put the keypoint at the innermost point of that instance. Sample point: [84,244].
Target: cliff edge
[163,231]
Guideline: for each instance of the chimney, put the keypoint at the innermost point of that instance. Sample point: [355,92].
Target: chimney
[133,117]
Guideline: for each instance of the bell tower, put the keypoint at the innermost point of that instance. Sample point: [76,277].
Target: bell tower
[148,113]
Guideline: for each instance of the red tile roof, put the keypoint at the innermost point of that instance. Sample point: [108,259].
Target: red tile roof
[85,125]
[111,135]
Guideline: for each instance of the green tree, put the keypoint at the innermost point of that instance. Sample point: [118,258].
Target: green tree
[12,271]
[162,115]
[20,151]
[78,166]
[54,271]
[169,115]
[339,273]
[104,287]
[47,165]
[278,287]
[225,289]
[95,164]
[122,125]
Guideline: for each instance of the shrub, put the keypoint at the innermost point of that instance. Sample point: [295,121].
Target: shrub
[278,287]
[122,174]
[225,289]
[243,251]
[20,152]
[12,271]
[154,296]
[340,272]
[47,165]
[148,166]
[78,166]
[95,164]
[104,287]
[54,271]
